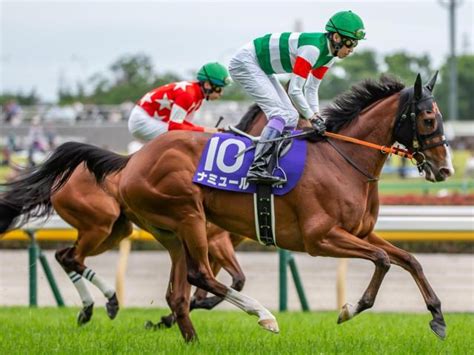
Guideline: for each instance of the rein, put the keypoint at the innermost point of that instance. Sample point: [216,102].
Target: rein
[383,149]
[351,163]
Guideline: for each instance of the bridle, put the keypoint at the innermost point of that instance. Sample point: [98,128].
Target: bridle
[406,129]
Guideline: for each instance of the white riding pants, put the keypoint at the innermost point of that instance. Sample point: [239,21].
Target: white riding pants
[265,89]
[144,127]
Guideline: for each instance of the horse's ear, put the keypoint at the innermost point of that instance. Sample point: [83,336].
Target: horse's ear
[418,87]
[431,84]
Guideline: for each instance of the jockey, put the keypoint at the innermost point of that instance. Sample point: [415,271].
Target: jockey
[172,106]
[307,56]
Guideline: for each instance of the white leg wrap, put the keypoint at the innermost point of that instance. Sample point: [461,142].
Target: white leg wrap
[248,304]
[96,280]
[81,288]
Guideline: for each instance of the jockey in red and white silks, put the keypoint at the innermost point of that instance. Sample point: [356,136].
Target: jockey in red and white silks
[172,106]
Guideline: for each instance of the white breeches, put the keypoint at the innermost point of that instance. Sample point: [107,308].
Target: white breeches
[144,127]
[265,89]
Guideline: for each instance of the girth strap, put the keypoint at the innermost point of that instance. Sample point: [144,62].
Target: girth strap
[264,215]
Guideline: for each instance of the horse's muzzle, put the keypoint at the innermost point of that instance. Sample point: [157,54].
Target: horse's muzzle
[443,174]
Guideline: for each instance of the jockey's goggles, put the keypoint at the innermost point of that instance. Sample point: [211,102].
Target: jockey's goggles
[349,43]
[217,89]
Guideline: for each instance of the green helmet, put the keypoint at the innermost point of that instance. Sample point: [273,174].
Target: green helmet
[347,24]
[216,73]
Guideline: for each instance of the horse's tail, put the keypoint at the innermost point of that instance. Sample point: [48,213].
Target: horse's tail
[29,195]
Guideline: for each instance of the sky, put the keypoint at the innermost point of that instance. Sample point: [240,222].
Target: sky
[45,43]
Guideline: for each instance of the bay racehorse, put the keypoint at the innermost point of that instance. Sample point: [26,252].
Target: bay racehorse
[331,212]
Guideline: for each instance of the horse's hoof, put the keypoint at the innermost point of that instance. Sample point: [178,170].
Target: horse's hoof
[167,321]
[85,315]
[347,313]
[149,325]
[270,325]
[112,306]
[164,324]
[191,338]
[439,328]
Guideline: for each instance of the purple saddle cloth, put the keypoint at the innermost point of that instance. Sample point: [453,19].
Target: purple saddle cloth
[221,169]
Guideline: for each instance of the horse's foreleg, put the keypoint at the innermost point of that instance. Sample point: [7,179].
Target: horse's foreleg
[179,290]
[408,262]
[193,233]
[341,244]
[200,299]
[221,254]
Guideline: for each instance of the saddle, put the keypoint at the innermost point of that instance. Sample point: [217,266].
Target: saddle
[224,164]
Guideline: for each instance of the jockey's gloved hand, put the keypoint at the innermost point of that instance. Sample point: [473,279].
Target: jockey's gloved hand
[211,130]
[318,123]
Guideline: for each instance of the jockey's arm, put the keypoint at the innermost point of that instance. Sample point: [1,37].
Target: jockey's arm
[188,126]
[179,114]
[311,89]
[307,56]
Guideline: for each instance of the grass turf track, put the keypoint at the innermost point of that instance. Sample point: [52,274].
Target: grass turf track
[53,330]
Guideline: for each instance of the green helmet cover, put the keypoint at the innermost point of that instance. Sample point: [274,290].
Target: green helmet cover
[216,73]
[347,24]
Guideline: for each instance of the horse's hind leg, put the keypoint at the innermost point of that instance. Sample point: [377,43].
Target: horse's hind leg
[192,231]
[224,254]
[65,258]
[72,261]
[121,229]
[94,244]
[341,244]
[408,262]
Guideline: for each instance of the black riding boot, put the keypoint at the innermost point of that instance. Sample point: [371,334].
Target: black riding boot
[262,167]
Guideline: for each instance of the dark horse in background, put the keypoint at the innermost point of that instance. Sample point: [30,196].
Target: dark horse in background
[331,212]
[95,212]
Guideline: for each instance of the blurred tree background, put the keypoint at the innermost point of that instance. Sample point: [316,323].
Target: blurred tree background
[131,76]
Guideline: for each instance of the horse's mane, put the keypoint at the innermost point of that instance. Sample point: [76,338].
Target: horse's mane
[248,118]
[349,104]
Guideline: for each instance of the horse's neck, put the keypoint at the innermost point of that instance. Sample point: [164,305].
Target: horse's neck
[375,124]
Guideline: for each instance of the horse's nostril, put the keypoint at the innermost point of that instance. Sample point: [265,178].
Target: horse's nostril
[445,172]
